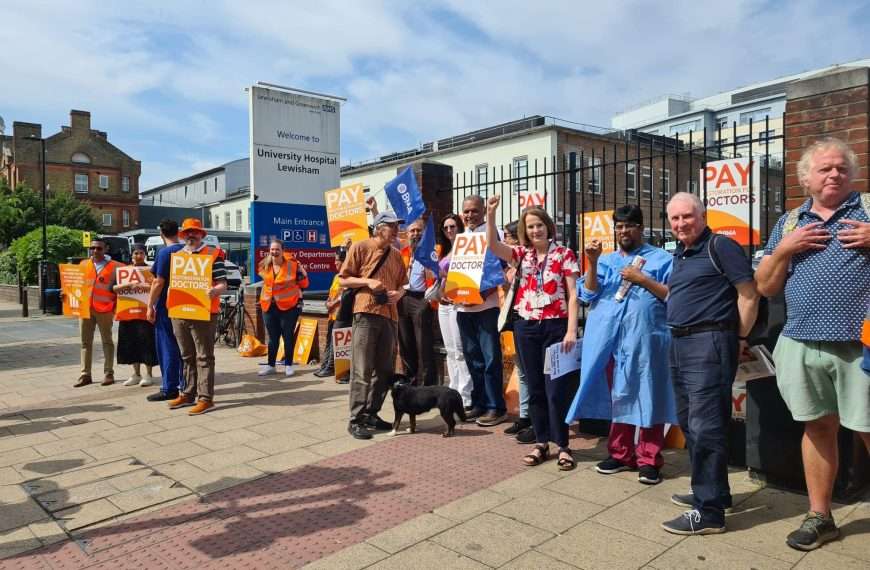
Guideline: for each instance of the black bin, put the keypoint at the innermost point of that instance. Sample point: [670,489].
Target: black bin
[53,303]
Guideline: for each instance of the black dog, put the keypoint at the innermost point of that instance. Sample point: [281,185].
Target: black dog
[413,400]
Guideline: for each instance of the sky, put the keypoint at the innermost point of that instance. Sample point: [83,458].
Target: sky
[166,80]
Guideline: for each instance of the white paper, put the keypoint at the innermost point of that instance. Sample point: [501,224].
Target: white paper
[558,363]
[761,365]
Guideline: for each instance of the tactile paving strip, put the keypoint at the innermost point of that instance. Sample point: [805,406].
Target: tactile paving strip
[292,518]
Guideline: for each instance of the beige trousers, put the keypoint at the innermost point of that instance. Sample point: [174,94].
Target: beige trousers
[103,321]
[196,342]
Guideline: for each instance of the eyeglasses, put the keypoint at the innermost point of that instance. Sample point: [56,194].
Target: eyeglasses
[625,227]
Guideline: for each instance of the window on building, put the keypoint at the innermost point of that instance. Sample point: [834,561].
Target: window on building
[646,181]
[722,123]
[185,191]
[215,183]
[107,219]
[666,184]
[81,181]
[238,220]
[125,218]
[125,184]
[594,174]
[520,173]
[683,128]
[764,135]
[631,180]
[80,158]
[741,139]
[482,174]
[692,186]
[104,181]
[216,220]
[777,200]
[227,220]
[755,115]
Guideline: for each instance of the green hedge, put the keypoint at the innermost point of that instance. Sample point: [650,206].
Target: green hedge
[24,253]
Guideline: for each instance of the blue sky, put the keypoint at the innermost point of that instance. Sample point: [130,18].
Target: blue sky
[166,79]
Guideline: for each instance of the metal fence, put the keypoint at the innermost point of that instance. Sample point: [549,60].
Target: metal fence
[635,168]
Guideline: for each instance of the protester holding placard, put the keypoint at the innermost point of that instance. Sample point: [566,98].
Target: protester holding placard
[284,278]
[136,342]
[624,376]
[99,274]
[547,307]
[195,336]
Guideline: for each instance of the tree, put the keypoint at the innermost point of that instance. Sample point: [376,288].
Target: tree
[65,210]
[21,211]
[62,243]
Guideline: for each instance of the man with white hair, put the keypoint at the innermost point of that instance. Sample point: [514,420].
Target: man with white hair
[818,253]
[711,307]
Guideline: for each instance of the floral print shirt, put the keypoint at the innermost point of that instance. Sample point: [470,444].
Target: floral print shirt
[542,293]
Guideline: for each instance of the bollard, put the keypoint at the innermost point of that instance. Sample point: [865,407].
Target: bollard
[24,309]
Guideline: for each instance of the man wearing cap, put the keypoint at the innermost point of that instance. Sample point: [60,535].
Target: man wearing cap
[195,337]
[168,355]
[100,279]
[375,269]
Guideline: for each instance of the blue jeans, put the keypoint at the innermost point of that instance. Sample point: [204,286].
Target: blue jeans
[549,398]
[281,324]
[703,366]
[482,350]
[524,385]
[168,355]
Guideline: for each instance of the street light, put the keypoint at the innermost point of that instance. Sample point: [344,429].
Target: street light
[43,265]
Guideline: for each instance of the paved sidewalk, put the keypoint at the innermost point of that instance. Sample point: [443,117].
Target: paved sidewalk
[98,477]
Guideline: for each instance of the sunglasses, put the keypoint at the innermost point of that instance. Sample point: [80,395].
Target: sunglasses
[450,226]
[96,248]
[624,227]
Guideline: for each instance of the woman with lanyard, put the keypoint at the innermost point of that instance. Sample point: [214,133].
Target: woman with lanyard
[281,302]
[457,369]
[137,344]
[546,304]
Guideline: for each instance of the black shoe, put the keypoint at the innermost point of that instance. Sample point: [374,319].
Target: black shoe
[162,396]
[358,431]
[693,522]
[376,423]
[688,501]
[473,414]
[816,530]
[324,373]
[610,466]
[648,475]
[518,426]
[526,435]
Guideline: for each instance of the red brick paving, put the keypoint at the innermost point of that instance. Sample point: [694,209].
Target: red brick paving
[293,518]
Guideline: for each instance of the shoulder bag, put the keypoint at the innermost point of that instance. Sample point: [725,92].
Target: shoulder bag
[345,310]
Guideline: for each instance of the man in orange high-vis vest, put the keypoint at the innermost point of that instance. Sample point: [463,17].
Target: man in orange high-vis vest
[100,277]
[196,338]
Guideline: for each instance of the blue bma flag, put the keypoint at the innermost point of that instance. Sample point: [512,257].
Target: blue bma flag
[425,252]
[404,196]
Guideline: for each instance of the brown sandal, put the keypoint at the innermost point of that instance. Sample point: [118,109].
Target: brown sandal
[566,463]
[538,455]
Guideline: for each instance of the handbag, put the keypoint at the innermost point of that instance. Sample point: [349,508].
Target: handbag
[506,314]
[345,310]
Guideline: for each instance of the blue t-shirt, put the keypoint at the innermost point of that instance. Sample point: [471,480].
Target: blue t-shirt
[161,267]
[827,291]
[698,292]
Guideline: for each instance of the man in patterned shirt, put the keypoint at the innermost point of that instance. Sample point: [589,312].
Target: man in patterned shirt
[819,254]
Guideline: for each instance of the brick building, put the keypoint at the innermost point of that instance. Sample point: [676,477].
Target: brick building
[79,160]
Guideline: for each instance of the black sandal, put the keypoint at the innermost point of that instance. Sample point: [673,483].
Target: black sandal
[538,455]
[566,463]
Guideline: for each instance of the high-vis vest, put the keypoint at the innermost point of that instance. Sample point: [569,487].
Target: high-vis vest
[102,296]
[283,288]
[215,253]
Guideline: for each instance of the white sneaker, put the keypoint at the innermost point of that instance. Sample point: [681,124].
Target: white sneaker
[266,370]
[146,381]
[133,380]
[288,370]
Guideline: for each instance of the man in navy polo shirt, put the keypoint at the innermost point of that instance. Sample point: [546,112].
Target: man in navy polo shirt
[711,307]
[819,254]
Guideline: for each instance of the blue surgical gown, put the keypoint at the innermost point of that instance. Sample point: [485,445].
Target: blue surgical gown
[635,335]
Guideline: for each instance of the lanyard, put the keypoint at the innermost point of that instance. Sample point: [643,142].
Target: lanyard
[539,269]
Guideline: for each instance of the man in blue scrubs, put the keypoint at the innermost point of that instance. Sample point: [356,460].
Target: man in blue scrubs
[168,354]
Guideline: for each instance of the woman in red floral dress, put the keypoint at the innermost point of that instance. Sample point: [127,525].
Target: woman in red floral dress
[546,304]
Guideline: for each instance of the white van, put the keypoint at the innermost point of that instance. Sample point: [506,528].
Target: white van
[155,243]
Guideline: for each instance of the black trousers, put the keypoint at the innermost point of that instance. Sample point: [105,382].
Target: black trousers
[416,340]
[703,366]
[281,324]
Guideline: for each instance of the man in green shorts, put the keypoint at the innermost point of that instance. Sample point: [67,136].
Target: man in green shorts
[819,254]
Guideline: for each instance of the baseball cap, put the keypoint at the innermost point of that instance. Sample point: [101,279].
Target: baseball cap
[387,217]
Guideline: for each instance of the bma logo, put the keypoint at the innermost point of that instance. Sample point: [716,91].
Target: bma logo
[402,188]
[433,256]
[328,108]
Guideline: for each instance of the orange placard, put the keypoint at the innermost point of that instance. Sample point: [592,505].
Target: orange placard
[76,295]
[597,225]
[189,283]
[132,302]
[346,214]
[732,185]
[342,348]
[466,269]
[304,340]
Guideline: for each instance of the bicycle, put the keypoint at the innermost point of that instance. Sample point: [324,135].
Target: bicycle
[231,319]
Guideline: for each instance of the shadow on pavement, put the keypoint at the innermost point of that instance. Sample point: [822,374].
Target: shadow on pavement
[51,418]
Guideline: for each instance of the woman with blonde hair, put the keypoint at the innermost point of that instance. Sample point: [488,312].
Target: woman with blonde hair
[546,306]
[284,278]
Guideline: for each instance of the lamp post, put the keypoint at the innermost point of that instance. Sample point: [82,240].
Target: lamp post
[43,264]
